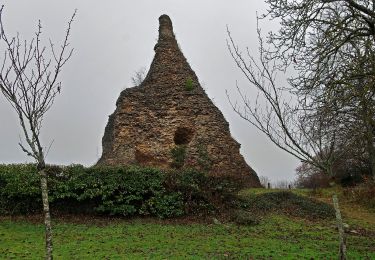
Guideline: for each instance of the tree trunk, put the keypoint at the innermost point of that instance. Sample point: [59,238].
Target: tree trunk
[370,144]
[47,216]
[367,116]
[340,226]
[372,159]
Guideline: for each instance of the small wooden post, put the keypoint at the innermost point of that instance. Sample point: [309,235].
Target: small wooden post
[340,226]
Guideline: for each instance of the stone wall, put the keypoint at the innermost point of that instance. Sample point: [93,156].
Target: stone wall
[170,111]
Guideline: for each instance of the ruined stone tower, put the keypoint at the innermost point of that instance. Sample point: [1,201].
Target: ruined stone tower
[168,121]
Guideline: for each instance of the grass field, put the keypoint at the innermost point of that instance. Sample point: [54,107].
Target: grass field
[276,237]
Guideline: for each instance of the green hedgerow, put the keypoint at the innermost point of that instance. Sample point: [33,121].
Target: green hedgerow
[110,190]
[125,191]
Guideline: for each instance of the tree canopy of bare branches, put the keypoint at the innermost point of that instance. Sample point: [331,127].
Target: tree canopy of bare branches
[29,81]
[330,45]
[285,123]
[139,76]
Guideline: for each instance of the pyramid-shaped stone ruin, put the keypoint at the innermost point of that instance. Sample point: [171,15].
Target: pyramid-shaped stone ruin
[168,121]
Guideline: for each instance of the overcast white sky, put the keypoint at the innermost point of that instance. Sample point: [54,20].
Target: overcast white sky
[112,40]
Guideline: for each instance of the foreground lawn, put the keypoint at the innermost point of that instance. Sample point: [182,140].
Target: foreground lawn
[276,236]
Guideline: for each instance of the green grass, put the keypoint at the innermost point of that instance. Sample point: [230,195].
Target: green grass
[278,236]
[286,203]
[259,191]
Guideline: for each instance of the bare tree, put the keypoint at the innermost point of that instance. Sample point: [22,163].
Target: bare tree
[310,177]
[264,180]
[319,28]
[288,123]
[283,184]
[29,81]
[331,45]
[139,76]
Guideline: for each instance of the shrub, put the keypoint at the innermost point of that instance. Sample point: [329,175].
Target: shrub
[204,159]
[192,185]
[348,170]
[19,189]
[189,85]
[243,217]
[288,203]
[310,177]
[201,192]
[363,194]
[125,191]
[167,205]
[178,155]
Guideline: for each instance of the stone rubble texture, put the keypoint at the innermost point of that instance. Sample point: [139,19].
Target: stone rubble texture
[170,109]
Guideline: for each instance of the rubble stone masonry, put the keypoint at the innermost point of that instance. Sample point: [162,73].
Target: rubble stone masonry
[168,121]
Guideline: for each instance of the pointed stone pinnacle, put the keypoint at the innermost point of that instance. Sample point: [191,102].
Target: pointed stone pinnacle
[170,110]
[165,27]
[169,66]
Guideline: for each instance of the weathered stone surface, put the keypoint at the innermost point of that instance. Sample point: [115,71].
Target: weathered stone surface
[170,109]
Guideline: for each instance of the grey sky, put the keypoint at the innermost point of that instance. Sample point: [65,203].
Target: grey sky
[113,39]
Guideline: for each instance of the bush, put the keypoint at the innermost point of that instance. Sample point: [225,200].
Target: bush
[125,191]
[167,205]
[288,203]
[243,217]
[19,189]
[189,86]
[363,194]
[192,186]
[201,192]
[204,159]
[309,177]
[178,155]
[347,171]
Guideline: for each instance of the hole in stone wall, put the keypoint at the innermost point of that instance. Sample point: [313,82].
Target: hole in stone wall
[183,135]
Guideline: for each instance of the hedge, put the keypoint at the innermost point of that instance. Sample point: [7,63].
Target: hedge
[123,190]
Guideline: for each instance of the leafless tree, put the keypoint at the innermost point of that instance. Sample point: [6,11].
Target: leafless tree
[29,81]
[311,178]
[319,28]
[264,180]
[331,44]
[139,76]
[283,184]
[289,124]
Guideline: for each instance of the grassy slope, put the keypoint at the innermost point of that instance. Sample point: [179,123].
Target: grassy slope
[276,236]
